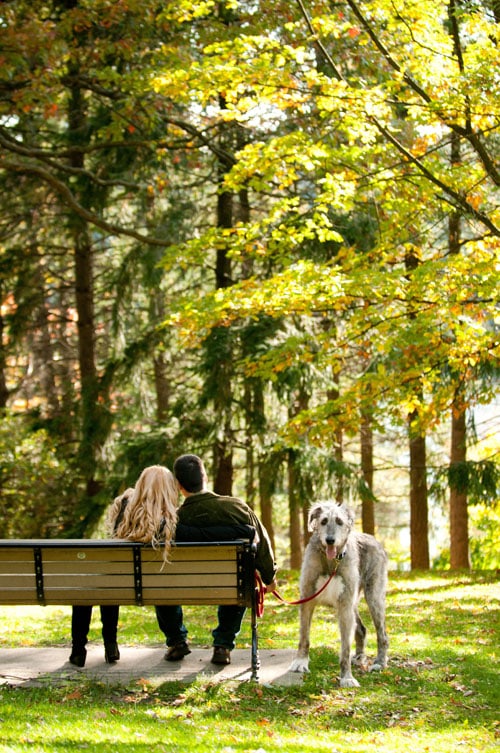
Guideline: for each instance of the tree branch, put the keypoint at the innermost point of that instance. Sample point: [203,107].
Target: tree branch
[467,132]
[30,152]
[458,199]
[65,193]
[318,41]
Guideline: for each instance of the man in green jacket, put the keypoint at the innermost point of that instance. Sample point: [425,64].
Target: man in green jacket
[204,508]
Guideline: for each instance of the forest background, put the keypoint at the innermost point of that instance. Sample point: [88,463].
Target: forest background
[264,232]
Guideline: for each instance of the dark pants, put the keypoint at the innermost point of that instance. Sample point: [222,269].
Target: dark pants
[80,624]
[170,621]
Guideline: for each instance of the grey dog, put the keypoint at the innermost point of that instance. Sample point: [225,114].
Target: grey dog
[361,565]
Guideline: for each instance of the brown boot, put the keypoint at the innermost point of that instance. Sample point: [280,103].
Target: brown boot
[177,652]
[221,655]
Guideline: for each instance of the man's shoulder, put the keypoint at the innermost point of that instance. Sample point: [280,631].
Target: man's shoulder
[208,496]
[230,500]
[208,502]
[198,497]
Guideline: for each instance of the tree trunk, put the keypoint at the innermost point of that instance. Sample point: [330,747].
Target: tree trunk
[162,387]
[250,465]
[295,513]
[254,410]
[419,505]
[299,491]
[86,343]
[94,426]
[223,479]
[223,448]
[367,504]
[4,392]
[305,526]
[268,468]
[333,394]
[161,366]
[459,516]
[419,511]
[42,352]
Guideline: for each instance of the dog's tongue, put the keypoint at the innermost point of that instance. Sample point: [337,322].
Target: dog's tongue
[331,551]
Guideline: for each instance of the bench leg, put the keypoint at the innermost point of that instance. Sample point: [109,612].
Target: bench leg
[255,644]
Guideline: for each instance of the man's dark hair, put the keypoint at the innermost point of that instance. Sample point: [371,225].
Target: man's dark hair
[189,471]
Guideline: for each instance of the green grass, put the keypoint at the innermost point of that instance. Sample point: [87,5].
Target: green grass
[440,693]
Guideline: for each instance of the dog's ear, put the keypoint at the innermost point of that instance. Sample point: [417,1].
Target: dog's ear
[314,514]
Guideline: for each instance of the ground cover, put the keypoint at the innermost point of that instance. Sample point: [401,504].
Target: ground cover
[440,692]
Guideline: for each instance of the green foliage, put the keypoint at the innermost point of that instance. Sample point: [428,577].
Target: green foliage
[485,528]
[479,479]
[138,451]
[37,488]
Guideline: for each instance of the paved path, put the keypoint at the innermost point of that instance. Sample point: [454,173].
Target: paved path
[40,666]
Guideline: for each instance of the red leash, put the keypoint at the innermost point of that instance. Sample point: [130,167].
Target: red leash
[261,591]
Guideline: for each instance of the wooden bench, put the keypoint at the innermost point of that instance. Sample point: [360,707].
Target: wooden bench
[86,571]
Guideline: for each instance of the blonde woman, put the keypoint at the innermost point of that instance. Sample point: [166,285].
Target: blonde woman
[146,513]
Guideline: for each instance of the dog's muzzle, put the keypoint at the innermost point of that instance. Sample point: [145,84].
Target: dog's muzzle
[331,549]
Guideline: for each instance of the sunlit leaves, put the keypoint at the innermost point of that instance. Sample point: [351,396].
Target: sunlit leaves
[404,337]
[318,116]
[186,11]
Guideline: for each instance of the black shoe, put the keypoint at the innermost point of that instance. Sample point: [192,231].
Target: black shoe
[177,652]
[111,653]
[78,657]
[221,655]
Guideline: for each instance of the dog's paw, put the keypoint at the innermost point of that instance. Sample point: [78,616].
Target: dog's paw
[348,682]
[299,665]
[359,660]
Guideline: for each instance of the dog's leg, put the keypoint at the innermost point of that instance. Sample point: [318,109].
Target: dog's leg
[301,661]
[360,637]
[375,598]
[347,621]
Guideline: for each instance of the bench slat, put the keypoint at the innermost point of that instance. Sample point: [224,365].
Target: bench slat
[153,568]
[63,580]
[7,568]
[123,596]
[117,551]
[21,581]
[110,568]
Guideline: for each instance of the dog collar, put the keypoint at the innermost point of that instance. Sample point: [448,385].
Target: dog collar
[337,560]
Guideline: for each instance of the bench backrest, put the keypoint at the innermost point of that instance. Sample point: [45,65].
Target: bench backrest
[83,571]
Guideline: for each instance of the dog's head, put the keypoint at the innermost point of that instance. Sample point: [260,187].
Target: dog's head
[331,523]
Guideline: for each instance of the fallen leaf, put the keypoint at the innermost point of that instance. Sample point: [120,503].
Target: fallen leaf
[74,696]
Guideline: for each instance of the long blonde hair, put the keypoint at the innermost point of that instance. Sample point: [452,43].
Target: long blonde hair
[150,514]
